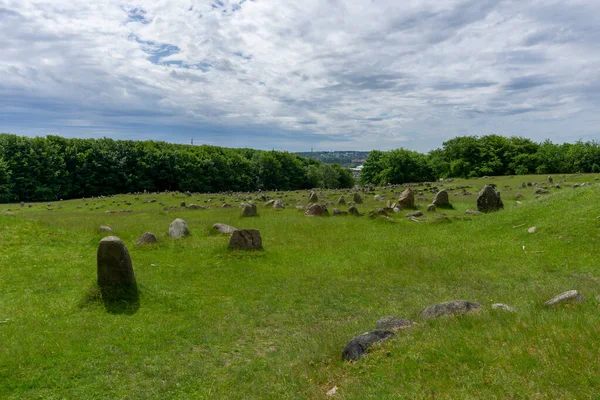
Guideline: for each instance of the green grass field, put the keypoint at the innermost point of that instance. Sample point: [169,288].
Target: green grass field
[221,324]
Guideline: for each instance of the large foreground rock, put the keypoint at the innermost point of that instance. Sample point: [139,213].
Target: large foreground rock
[442,200]
[358,346]
[114,263]
[449,308]
[570,296]
[245,239]
[178,229]
[316,210]
[407,199]
[116,279]
[224,228]
[147,238]
[489,199]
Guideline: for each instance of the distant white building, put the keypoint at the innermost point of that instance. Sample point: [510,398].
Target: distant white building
[357,169]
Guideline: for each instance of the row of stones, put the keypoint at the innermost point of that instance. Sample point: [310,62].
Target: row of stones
[387,326]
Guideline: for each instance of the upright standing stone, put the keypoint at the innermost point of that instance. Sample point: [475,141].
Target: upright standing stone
[245,239]
[407,199]
[114,263]
[356,198]
[316,210]
[278,205]
[313,198]
[442,200]
[249,210]
[550,179]
[489,199]
[178,229]
[342,201]
[147,238]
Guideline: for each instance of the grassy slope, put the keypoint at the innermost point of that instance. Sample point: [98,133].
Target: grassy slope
[214,323]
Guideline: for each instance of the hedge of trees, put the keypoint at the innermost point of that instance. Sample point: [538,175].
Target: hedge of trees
[52,167]
[473,156]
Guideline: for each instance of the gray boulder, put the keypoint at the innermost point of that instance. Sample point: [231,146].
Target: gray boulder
[105,229]
[269,203]
[414,214]
[570,296]
[358,346]
[431,208]
[245,239]
[316,210]
[394,323]
[356,198]
[223,228]
[278,205]
[406,199]
[147,238]
[449,308]
[313,198]
[341,201]
[195,207]
[442,200]
[178,229]
[249,210]
[489,199]
[354,211]
[114,266]
[502,307]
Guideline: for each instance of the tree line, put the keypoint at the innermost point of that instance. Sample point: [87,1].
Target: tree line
[50,168]
[473,156]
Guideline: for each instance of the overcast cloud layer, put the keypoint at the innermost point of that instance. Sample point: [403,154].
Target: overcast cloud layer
[295,75]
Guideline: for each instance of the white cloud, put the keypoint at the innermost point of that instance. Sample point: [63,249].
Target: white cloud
[361,74]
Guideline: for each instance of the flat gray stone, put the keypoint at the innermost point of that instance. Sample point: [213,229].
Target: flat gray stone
[358,346]
[449,308]
[570,296]
[224,228]
[105,229]
[394,323]
[502,307]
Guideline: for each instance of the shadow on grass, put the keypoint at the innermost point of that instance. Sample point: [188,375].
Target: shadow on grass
[122,299]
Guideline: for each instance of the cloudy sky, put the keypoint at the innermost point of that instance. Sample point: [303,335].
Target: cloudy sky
[296,75]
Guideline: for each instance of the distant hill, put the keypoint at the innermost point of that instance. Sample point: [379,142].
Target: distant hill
[344,158]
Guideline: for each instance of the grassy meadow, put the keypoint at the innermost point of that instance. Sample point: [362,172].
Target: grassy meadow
[214,323]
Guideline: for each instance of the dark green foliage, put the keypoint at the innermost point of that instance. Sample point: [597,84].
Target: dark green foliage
[51,168]
[472,156]
[396,166]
